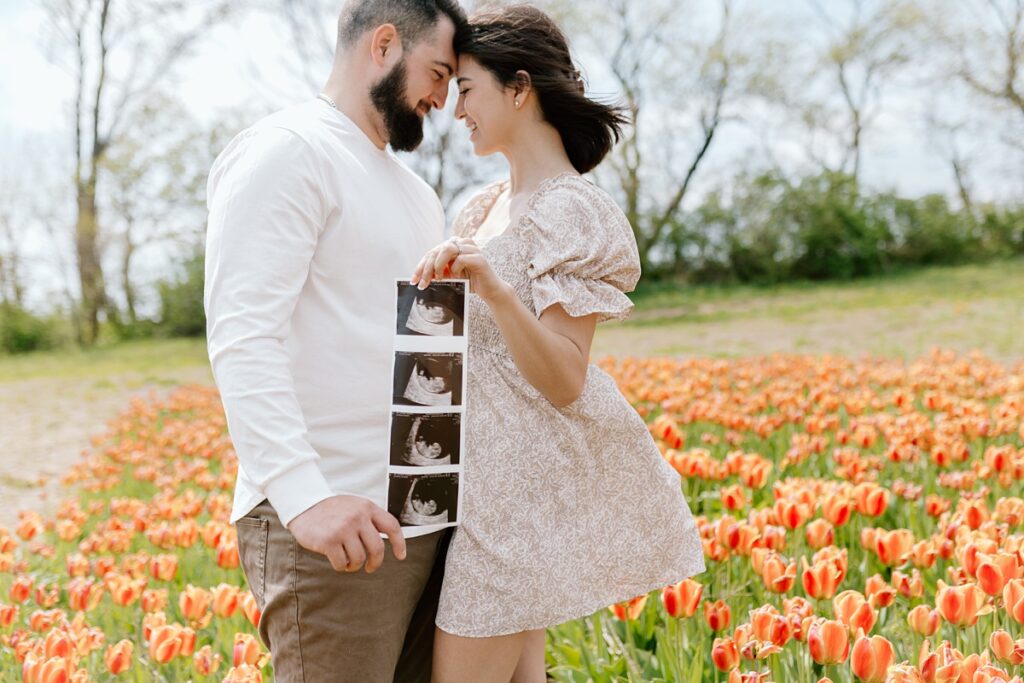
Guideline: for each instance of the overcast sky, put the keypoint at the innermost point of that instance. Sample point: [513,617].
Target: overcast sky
[36,98]
[240,65]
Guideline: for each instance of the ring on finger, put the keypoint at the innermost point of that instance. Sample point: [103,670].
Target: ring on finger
[455,241]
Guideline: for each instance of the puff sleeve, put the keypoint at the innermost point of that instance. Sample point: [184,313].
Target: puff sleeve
[582,251]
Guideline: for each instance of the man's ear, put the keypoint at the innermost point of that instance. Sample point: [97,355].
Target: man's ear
[384,44]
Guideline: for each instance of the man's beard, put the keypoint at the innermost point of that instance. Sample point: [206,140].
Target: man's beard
[403,125]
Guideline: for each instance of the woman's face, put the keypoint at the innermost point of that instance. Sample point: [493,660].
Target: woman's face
[433,313]
[424,507]
[428,450]
[435,384]
[486,107]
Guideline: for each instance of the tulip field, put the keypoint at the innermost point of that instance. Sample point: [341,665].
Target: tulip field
[862,520]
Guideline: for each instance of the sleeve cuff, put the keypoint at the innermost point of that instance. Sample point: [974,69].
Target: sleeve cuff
[297,490]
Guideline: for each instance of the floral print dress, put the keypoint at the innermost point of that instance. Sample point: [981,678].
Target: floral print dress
[565,510]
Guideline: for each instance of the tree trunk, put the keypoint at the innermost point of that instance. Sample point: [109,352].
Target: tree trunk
[126,280]
[90,272]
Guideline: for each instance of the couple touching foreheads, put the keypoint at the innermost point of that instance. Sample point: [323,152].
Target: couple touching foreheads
[567,504]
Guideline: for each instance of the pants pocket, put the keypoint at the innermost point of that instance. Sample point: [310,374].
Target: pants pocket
[253,535]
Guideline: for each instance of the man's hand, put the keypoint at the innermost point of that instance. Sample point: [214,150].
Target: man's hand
[347,530]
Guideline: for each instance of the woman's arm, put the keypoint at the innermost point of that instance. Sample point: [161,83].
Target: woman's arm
[552,351]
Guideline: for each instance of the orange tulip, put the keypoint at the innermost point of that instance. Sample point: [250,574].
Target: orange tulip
[924,621]
[205,661]
[821,580]
[8,613]
[733,497]
[819,533]
[778,576]
[725,654]
[163,567]
[878,592]
[993,571]
[246,650]
[154,600]
[853,609]
[837,510]
[828,641]
[630,609]
[84,594]
[767,625]
[188,642]
[681,600]
[871,499]
[119,657]
[960,605]
[124,590]
[243,674]
[911,586]
[791,514]
[893,547]
[225,600]
[20,589]
[903,673]
[227,554]
[52,670]
[1005,649]
[1013,598]
[717,615]
[247,603]
[57,644]
[871,658]
[151,622]
[47,595]
[944,664]
[194,603]
[165,643]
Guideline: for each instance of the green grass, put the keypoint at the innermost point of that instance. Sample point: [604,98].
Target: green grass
[661,303]
[963,307]
[150,360]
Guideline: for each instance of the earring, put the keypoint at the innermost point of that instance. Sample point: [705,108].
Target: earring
[517,104]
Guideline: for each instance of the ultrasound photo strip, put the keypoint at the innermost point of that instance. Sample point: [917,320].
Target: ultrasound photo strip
[426,449]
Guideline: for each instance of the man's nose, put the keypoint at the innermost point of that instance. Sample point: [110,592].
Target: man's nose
[439,97]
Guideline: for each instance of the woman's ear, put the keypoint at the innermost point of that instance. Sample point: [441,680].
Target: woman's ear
[523,85]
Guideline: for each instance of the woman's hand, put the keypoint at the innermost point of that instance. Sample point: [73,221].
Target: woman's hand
[460,258]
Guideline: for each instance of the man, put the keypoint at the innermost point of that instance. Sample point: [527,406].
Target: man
[311,220]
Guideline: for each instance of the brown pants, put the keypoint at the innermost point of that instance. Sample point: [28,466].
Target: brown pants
[323,626]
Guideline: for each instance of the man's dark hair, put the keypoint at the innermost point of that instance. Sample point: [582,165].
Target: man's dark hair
[413,19]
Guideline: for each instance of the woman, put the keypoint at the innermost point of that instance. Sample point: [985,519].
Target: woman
[568,505]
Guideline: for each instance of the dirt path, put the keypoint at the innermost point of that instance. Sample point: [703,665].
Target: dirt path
[993,326]
[46,423]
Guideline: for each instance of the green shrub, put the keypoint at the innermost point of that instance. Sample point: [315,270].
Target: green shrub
[22,331]
[181,301]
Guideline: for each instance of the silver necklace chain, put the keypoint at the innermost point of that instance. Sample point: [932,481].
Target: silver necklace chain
[327,98]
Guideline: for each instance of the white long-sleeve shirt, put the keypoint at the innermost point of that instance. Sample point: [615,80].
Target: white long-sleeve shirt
[310,223]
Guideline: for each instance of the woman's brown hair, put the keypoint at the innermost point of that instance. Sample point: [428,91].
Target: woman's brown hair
[516,38]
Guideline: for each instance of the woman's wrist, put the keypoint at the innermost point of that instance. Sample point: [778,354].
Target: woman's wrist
[502,296]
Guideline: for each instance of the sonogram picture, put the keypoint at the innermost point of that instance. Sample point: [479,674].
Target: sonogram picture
[425,453]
